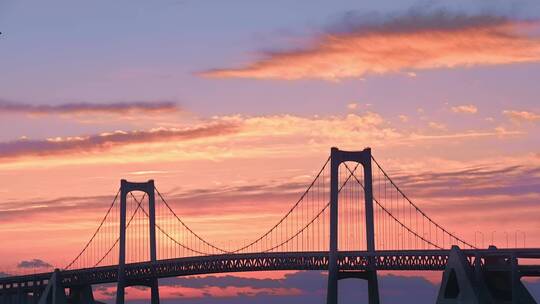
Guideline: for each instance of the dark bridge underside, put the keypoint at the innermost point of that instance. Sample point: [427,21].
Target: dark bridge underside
[138,273]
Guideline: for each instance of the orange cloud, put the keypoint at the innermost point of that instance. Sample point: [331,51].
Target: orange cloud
[465,109]
[437,126]
[352,106]
[522,116]
[403,118]
[417,41]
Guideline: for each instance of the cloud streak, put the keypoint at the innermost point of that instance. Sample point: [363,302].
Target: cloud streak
[308,287]
[16,210]
[238,135]
[438,39]
[107,141]
[88,108]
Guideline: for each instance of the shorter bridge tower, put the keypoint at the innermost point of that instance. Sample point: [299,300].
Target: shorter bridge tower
[123,282]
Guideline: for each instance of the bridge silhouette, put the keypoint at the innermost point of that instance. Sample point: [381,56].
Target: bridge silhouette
[352,221]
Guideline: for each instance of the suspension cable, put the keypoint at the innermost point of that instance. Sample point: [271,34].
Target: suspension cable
[187,227]
[418,209]
[316,217]
[399,222]
[163,231]
[96,232]
[127,226]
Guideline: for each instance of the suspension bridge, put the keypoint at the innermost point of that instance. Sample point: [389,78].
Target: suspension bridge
[352,220]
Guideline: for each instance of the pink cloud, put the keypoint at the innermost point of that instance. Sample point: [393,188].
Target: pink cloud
[106,141]
[414,41]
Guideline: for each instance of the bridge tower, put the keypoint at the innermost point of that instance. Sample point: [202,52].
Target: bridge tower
[125,188]
[334,274]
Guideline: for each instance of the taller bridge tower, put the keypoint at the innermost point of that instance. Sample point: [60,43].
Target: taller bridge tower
[125,189]
[337,157]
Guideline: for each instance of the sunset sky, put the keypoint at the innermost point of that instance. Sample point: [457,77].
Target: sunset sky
[209,97]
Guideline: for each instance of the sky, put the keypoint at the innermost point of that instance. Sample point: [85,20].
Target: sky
[219,97]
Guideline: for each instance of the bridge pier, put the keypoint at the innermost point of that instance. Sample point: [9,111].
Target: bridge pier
[54,292]
[373,287]
[496,281]
[36,291]
[5,298]
[22,296]
[81,295]
[154,292]
[8,298]
[334,275]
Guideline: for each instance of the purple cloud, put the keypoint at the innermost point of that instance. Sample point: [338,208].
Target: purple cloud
[84,107]
[34,263]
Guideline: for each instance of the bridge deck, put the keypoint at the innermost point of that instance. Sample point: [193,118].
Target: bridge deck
[137,273]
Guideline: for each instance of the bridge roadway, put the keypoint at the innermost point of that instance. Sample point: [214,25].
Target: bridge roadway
[412,260]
